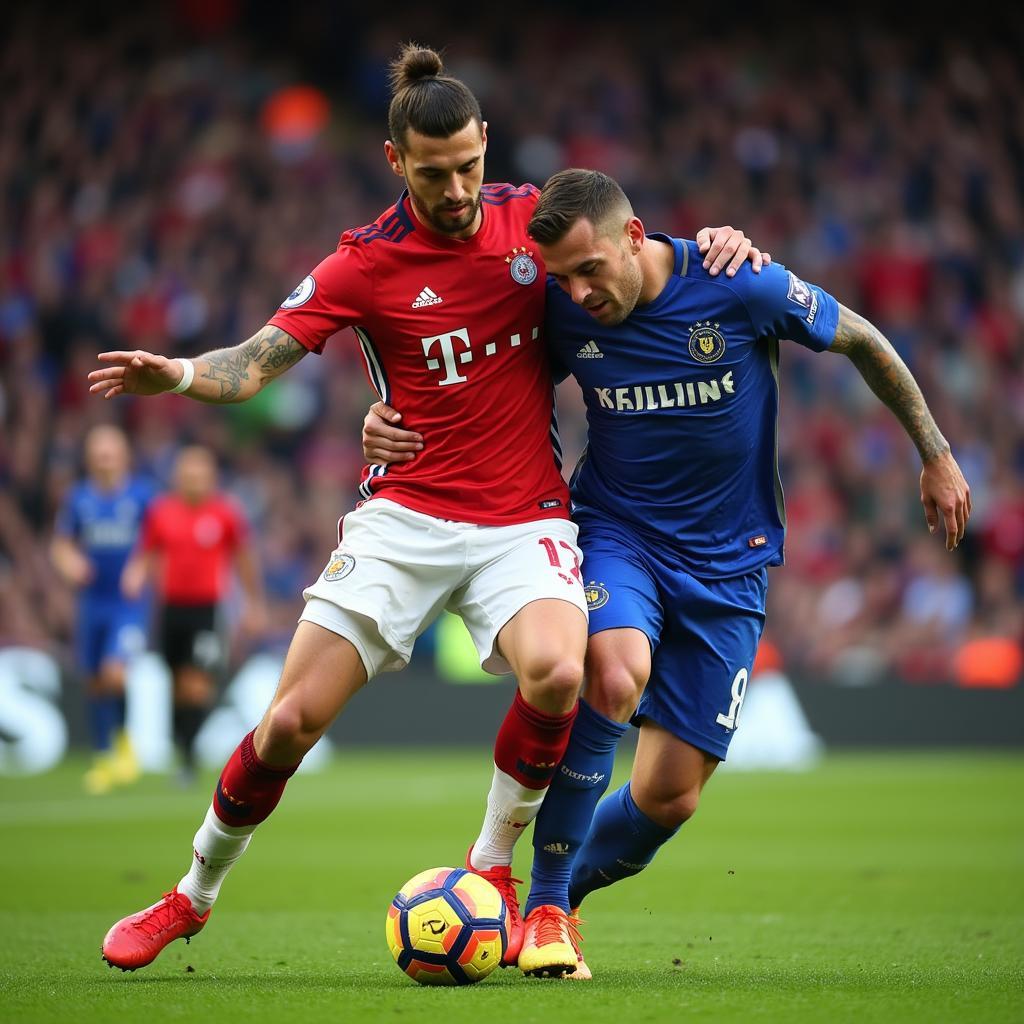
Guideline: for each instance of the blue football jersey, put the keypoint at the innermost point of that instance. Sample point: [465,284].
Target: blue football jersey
[682,405]
[105,525]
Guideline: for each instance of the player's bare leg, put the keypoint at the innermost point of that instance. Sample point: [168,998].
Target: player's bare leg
[545,644]
[668,776]
[321,673]
[617,669]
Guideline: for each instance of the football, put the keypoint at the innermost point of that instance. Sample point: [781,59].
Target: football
[447,926]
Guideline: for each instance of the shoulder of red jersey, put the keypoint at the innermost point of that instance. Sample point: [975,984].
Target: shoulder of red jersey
[394,224]
[499,195]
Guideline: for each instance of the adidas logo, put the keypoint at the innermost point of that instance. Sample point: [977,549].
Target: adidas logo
[556,848]
[590,351]
[427,297]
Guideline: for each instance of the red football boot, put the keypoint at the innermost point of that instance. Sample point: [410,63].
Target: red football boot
[137,940]
[502,880]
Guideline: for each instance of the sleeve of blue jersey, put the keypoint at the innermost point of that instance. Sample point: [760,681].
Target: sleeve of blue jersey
[782,305]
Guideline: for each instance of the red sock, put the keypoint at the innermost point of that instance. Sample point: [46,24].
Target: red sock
[531,744]
[248,790]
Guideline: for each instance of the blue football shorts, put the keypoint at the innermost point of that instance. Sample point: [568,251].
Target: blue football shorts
[703,632]
[109,631]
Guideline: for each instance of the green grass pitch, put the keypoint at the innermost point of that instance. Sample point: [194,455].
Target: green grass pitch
[874,889]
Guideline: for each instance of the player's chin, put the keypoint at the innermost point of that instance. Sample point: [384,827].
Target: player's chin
[450,222]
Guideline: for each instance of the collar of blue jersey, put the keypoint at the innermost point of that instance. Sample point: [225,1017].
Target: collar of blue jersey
[678,247]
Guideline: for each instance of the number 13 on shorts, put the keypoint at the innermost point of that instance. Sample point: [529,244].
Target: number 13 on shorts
[555,556]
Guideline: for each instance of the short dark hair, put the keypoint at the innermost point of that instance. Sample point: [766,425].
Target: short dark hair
[425,100]
[572,195]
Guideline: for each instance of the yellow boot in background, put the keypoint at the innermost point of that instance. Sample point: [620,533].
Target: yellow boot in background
[124,763]
[100,778]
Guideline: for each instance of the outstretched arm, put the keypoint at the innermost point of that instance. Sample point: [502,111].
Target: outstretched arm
[225,375]
[943,487]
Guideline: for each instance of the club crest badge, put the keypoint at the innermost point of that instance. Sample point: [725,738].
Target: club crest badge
[303,293]
[339,567]
[597,596]
[521,266]
[707,345]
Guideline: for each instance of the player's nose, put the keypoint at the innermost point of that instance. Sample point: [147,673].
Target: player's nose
[455,193]
[579,290]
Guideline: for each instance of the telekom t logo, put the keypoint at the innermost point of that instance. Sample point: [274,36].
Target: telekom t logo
[456,350]
[447,343]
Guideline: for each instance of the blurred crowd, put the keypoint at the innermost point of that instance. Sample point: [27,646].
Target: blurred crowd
[164,184]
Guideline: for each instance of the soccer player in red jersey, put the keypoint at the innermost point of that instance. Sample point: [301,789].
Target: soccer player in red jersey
[445,294]
[190,540]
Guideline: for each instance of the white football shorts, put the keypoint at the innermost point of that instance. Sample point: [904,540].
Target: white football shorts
[395,570]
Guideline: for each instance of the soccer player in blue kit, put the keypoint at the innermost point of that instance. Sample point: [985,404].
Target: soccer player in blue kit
[680,510]
[96,531]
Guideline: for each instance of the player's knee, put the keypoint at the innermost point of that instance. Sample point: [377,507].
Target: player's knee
[289,732]
[552,683]
[613,690]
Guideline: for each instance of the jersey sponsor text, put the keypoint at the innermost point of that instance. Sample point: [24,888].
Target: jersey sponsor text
[676,395]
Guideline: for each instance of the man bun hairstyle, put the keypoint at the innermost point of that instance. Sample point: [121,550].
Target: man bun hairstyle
[577,194]
[424,99]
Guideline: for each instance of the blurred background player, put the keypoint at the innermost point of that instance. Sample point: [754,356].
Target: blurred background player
[95,533]
[679,505]
[191,538]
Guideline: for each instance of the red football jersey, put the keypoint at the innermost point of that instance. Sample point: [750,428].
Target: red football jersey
[196,543]
[451,332]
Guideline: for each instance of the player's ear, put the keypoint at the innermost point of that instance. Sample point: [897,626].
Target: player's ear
[635,234]
[483,136]
[394,158]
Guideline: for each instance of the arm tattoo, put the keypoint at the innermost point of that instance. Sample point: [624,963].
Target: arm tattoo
[888,377]
[267,354]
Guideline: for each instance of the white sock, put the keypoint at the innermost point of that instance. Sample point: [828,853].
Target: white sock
[510,808]
[215,849]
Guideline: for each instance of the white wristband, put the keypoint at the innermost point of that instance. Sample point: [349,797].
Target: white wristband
[188,373]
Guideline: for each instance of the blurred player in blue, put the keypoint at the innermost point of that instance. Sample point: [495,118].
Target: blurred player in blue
[680,510]
[96,530]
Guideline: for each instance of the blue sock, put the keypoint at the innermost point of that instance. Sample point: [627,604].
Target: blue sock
[564,818]
[622,841]
[102,712]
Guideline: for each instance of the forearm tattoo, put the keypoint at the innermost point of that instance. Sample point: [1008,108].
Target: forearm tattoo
[266,354]
[888,377]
